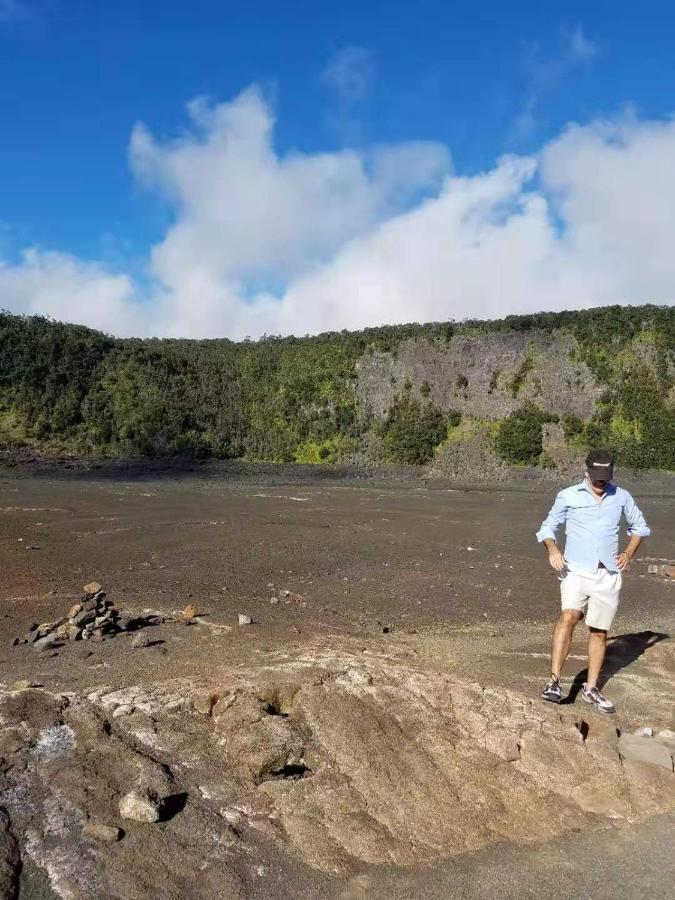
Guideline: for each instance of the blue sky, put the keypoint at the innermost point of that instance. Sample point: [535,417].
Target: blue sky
[480,79]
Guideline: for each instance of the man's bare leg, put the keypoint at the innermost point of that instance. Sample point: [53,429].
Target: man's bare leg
[562,639]
[597,643]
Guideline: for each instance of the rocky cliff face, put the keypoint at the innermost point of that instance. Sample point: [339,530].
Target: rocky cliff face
[485,377]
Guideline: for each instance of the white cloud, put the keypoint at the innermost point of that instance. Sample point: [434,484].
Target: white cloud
[299,243]
[67,289]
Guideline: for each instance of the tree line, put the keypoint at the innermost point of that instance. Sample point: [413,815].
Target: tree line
[69,388]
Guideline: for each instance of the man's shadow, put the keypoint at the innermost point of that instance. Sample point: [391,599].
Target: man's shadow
[622,650]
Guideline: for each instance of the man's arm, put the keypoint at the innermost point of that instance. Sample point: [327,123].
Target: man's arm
[637,529]
[546,534]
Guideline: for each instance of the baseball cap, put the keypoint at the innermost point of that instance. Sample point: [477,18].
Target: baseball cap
[600,465]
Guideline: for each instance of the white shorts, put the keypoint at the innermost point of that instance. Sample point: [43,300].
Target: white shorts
[595,595]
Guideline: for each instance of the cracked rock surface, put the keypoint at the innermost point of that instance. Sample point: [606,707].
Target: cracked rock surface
[326,760]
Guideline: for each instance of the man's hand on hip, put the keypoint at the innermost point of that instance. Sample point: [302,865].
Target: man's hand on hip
[556,559]
[622,561]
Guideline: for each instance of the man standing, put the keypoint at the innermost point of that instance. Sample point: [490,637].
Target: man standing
[590,570]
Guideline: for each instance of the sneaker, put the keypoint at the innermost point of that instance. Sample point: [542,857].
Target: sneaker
[598,700]
[552,692]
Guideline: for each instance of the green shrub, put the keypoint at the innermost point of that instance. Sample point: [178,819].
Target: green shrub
[521,373]
[454,418]
[573,426]
[519,436]
[411,431]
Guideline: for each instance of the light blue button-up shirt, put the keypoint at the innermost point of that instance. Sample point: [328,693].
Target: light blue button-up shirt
[592,525]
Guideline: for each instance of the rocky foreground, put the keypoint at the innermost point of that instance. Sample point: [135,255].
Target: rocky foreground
[304,767]
[318,691]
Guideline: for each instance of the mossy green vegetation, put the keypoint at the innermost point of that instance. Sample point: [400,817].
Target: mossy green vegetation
[411,431]
[519,436]
[66,387]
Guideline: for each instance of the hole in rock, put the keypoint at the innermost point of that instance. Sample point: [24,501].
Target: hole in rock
[293,771]
[273,708]
[172,805]
[583,728]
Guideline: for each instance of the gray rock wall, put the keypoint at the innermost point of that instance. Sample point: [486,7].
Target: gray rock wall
[475,374]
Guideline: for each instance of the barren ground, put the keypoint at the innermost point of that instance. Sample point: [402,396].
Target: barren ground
[374,733]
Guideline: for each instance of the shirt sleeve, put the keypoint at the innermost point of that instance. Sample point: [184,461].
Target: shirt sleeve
[634,518]
[555,518]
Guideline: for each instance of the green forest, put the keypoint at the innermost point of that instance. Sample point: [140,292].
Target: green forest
[69,389]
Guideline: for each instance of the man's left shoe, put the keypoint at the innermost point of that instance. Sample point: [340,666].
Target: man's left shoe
[598,700]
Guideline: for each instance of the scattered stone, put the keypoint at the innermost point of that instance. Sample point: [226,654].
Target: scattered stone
[190,611]
[245,620]
[285,593]
[652,569]
[140,641]
[645,749]
[139,806]
[644,732]
[99,832]
[74,610]
[92,588]
[274,600]
[44,643]
[84,617]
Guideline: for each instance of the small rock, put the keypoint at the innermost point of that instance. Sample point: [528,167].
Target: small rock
[204,702]
[644,732]
[190,611]
[646,750]
[652,569]
[139,806]
[92,588]
[74,610]
[100,832]
[124,710]
[274,600]
[285,593]
[245,620]
[83,618]
[669,571]
[140,641]
[45,642]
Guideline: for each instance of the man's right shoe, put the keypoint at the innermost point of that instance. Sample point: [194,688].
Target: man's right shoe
[552,692]
[598,700]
